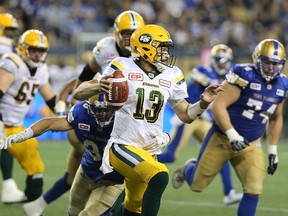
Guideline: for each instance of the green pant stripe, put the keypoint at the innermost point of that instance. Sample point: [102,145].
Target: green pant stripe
[125,155]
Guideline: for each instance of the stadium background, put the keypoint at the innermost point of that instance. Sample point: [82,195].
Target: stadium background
[73,27]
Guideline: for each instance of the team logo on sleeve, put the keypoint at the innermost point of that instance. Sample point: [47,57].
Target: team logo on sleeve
[255,86]
[84,127]
[280,92]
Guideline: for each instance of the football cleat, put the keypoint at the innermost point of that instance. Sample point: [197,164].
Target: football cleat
[178,178]
[35,208]
[232,198]
[10,192]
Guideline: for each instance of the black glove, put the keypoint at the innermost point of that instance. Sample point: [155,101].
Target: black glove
[272,164]
[238,145]
[237,141]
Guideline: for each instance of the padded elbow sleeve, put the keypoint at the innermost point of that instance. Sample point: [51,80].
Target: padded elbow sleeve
[87,74]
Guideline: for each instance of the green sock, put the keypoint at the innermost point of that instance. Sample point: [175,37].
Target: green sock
[6,164]
[152,196]
[34,188]
[118,208]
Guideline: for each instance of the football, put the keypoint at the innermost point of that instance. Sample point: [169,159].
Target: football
[118,94]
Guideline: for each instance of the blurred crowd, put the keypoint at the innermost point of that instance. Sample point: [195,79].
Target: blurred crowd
[193,24]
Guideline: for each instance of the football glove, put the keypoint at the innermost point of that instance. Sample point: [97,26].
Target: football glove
[16,138]
[273,159]
[60,108]
[237,142]
[159,141]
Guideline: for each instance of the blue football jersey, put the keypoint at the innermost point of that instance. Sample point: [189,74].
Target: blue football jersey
[258,100]
[201,77]
[94,138]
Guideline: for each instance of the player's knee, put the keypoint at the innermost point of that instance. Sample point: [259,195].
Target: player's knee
[196,190]
[253,189]
[159,182]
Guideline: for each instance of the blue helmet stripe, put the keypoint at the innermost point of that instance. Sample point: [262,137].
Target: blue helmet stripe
[275,48]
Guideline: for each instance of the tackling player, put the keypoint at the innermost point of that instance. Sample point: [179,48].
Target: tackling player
[105,50]
[252,101]
[92,192]
[221,58]
[21,77]
[153,81]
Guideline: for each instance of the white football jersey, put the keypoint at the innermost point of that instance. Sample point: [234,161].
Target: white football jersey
[5,45]
[105,51]
[15,103]
[142,115]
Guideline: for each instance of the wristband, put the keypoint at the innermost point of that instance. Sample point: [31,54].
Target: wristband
[272,149]
[194,110]
[60,107]
[27,134]
[232,134]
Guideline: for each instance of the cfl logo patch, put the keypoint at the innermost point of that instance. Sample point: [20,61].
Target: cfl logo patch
[84,127]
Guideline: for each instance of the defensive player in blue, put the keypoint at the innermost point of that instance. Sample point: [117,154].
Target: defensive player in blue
[92,192]
[221,58]
[252,100]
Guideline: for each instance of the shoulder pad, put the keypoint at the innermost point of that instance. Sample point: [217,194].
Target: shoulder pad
[235,79]
[199,77]
[70,117]
[116,65]
[180,79]
[13,58]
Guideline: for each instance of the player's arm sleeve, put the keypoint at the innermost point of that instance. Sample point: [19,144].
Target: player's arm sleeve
[86,74]
[51,103]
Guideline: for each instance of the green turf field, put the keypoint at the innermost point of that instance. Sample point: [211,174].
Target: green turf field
[181,202]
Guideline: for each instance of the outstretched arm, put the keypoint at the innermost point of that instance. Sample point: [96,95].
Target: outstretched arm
[36,129]
[187,113]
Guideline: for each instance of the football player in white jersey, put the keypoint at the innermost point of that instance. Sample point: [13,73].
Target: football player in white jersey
[8,35]
[105,50]
[8,32]
[153,81]
[22,75]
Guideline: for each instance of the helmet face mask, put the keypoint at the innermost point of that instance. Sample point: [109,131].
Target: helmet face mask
[32,47]
[269,58]
[221,58]
[102,113]
[152,43]
[124,25]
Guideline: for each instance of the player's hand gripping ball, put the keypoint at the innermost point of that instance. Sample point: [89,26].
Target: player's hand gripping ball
[118,94]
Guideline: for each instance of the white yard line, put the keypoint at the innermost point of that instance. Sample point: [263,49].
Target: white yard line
[215,205]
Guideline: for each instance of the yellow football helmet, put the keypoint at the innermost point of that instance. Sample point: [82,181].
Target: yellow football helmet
[32,39]
[127,21]
[269,58]
[147,42]
[7,21]
[221,58]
